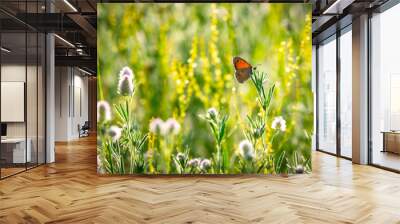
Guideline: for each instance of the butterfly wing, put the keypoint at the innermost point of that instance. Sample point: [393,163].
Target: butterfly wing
[243,69]
[243,74]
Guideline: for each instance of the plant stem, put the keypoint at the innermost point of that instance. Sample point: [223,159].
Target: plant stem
[110,160]
[219,147]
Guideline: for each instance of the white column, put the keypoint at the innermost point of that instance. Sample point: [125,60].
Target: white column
[360,90]
[50,100]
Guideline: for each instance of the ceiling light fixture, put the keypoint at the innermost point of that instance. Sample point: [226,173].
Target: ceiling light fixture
[70,5]
[5,50]
[84,71]
[65,41]
[338,6]
[79,51]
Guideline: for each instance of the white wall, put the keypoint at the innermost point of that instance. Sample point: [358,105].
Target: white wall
[80,110]
[71,94]
[12,73]
[16,73]
[62,81]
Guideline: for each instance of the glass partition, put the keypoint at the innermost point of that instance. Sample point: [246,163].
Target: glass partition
[385,89]
[22,90]
[327,96]
[14,155]
[346,93]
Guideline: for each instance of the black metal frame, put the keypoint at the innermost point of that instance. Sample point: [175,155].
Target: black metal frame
[369,98]
[316,98]
[339,32]
[44,79]
[338,76]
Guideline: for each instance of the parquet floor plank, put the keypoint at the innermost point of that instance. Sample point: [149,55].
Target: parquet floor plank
[70,191]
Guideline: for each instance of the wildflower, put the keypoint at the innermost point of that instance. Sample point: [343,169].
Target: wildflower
[258,132]
[103,111]
[125,85]
[299,169]
[181,157]
[171,126]
[194,163]
[212,112]
[246,150]
[157,126]
[205,164]
[126,71]
[115,133]
[221,12]
[279,123]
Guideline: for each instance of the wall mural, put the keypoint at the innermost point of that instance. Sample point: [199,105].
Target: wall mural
[204,88]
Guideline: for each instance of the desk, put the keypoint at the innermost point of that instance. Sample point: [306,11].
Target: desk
[391,141]
[13,150]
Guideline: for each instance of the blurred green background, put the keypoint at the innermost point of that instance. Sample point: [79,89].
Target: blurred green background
[181,55]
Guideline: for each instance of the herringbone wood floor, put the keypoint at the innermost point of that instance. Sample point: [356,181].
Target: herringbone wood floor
[70,191]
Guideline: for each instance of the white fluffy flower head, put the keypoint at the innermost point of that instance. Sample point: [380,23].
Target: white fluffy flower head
[181,157]
[299,169]
[115,133]
[171,126]
[194,163]
[126,85]
[103,111]
[279,124]
[205,164]
[246,149]
[212,112]
[157,126]
[126,71]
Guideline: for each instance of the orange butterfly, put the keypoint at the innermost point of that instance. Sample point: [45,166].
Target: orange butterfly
[243,69]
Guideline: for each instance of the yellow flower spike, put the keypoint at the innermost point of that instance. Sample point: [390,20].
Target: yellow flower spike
[214,39]
[186,85]
[206,75]
[150,152]
[268,140]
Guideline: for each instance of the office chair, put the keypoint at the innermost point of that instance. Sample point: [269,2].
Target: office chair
[84,130]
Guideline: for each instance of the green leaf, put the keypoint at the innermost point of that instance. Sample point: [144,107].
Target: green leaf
[270,94]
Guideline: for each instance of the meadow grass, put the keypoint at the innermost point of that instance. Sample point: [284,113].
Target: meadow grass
[177,108]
